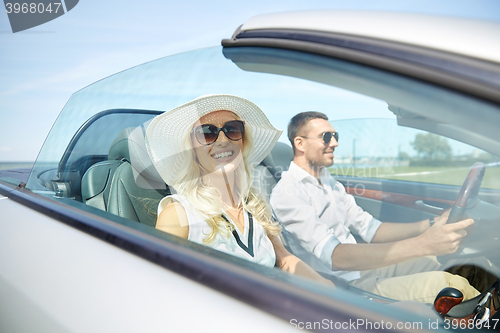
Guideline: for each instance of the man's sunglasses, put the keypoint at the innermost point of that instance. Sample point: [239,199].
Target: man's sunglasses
[207,134]
[327,137]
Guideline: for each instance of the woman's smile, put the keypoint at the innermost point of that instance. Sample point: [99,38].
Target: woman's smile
[223,156]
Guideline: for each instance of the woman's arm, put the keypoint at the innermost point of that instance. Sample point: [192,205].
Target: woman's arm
[173,219]
[291,264]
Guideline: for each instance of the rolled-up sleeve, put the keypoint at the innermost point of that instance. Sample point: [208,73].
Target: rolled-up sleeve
[300,218]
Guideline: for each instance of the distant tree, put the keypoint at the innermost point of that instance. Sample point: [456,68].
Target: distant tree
[432,147]
[403,156]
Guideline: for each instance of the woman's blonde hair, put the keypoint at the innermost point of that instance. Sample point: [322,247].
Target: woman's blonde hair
[206,200]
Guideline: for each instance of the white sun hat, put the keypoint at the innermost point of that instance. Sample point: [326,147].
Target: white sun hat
[166,134]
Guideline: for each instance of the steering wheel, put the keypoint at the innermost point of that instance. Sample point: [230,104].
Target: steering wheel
[467,198]
[468,192]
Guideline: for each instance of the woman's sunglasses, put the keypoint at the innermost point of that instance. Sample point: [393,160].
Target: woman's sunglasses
[327,137]
[207,134]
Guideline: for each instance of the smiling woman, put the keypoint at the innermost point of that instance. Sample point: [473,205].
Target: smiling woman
[211,172]
[188,164]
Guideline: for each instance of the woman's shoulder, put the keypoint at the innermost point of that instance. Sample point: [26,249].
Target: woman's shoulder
[172,218]
[178,205]
[171,199]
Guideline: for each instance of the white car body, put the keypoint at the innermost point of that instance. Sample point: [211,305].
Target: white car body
[468,37]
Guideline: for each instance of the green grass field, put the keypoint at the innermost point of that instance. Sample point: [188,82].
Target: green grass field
[437,175]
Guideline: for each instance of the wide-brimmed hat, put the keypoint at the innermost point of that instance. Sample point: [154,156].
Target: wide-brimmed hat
[167,132]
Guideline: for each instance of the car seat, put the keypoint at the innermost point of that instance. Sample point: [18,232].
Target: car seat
[268,173]
[96,183]
[127,184]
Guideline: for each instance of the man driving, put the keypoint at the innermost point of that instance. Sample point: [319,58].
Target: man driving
[397,261]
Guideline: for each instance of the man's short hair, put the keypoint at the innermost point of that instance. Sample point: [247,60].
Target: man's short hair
[299,121]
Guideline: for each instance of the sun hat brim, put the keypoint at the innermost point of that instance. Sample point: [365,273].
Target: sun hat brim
[166,133]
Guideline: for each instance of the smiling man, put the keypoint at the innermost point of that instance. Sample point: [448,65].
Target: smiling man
[320,218]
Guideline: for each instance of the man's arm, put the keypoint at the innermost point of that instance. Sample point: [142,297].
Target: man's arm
[440,239]
[392,232]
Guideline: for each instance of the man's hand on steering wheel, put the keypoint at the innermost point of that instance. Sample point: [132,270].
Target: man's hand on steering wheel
[442,238]
[469,193]
[443,216]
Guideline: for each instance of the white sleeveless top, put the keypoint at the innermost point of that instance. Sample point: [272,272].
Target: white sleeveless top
[253,244]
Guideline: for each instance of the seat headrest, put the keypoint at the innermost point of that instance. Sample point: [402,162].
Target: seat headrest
[279,159]
[119,147]
[131,146]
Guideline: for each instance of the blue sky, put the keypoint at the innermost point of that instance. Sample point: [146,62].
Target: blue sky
[41,67]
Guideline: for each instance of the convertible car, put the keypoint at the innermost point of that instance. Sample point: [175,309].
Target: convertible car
[416,100]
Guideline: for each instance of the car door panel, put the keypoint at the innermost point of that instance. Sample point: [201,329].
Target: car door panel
[390,200]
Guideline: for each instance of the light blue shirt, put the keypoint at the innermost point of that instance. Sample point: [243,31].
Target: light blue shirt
[318,218]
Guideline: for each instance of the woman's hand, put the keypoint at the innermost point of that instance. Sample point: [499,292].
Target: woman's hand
[291,264]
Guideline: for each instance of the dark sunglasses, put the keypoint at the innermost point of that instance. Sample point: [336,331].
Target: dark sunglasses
[327,137]
[207,134]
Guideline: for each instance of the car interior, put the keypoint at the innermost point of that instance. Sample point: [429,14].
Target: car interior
[125,183]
